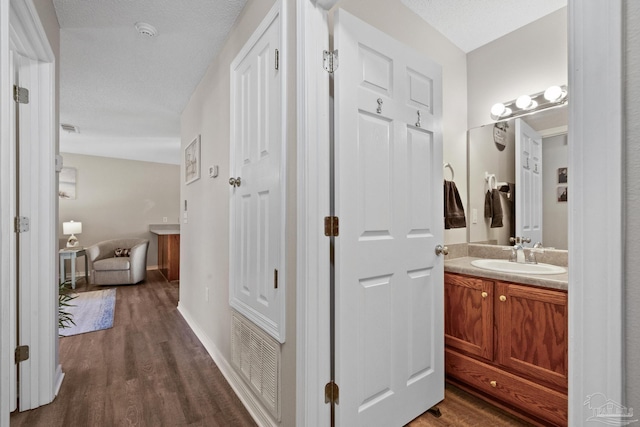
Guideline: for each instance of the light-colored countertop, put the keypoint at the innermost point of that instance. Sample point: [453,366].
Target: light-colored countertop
[463,266]
[164,229]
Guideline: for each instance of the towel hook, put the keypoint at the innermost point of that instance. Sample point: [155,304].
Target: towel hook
[448,165]
[488,177]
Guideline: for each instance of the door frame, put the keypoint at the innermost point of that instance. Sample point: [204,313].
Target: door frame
[595,31]
[313,204]
[596,235]
[22,31]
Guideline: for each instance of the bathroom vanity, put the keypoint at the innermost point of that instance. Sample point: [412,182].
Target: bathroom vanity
[506,339]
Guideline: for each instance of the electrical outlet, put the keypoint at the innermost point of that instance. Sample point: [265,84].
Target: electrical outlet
[164,219]
[474,216]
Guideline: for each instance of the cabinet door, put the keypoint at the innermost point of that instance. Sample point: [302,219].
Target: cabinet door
[532,332]
[468,321]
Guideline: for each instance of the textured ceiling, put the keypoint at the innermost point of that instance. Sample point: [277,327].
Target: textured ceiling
[470,24]
[125,91]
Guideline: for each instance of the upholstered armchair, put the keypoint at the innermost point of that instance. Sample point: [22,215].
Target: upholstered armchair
[118,261]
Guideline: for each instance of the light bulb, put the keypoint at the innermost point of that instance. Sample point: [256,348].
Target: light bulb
[524,102]
[554,94]
[498,109]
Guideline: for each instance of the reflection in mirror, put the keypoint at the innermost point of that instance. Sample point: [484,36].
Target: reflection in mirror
[531,187]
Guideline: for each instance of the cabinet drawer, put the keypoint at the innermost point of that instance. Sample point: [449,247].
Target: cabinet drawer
[534,399]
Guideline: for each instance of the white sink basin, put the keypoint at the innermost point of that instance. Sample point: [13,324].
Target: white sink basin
[513,267]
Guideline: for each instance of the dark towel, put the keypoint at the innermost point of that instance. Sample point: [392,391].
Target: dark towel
[453,209]
[493,208]
[511,197]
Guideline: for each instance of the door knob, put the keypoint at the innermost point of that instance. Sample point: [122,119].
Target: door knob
[235,182]
[442,250]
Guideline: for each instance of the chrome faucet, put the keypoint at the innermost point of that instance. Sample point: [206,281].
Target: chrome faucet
[517,251]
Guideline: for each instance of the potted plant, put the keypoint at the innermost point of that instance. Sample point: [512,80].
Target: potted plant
[65,319]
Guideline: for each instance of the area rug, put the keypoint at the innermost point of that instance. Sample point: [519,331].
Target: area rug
[92,311]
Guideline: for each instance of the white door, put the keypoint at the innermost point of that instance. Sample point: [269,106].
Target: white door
[388,197]
[528,182]
[257,196]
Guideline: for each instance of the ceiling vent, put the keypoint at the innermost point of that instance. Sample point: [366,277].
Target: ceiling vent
[146,30]
[70,128]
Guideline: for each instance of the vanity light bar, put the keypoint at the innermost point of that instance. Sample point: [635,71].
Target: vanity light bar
[555,96]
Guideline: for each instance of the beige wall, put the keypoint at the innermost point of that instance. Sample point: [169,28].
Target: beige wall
[632,210]
[526,61]
[49,20]
[555,216]
[407,27]
[205,237]
[120,198]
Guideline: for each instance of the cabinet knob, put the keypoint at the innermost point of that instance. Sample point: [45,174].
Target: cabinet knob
[494,384]
[484,295]
[503,298]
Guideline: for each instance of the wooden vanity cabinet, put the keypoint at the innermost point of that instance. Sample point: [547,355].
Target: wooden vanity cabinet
[507,343]
[468,310]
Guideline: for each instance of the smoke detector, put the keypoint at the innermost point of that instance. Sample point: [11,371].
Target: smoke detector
[146,30]
[69,128]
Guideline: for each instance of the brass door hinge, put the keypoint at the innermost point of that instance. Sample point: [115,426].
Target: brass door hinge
[22,353]
[331,226]
[331,393]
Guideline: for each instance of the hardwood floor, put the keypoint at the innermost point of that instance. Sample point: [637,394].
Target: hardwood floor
[148,370]
[460,409]
[151,370]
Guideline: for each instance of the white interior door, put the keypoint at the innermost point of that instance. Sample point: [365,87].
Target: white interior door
[388,196]
[528,182]
[257,166]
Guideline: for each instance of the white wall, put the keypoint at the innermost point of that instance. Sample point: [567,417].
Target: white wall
[205,237]
[526,61]
[395,19]
[632,211]
[120,198]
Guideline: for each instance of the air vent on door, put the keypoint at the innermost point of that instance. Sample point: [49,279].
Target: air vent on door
[256,357]
[69,128]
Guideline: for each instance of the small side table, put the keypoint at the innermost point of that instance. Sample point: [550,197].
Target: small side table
[72,254]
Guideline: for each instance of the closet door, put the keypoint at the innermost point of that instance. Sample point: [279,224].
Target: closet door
[257,214]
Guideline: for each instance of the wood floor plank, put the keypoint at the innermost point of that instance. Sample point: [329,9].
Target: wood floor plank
[149,369]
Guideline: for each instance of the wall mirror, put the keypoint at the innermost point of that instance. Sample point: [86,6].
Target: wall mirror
[525,160]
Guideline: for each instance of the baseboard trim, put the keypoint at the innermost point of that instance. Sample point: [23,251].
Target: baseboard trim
[256,409]
[59,376]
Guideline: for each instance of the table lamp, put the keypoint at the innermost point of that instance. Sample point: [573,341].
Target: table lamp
[72,228]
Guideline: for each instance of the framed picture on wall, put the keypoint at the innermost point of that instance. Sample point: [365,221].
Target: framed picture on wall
[562,175]
[562,193]
[192,161]
[67,183]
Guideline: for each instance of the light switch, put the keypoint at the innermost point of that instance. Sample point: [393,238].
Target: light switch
[213,171]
